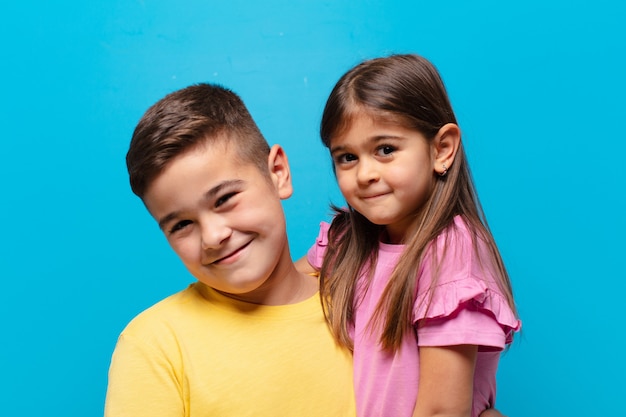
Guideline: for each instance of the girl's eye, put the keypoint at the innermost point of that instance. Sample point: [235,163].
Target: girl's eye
[223,199]
[386,150]
[180,225]
[345,158]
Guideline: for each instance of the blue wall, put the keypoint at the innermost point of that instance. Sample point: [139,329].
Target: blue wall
[539,90]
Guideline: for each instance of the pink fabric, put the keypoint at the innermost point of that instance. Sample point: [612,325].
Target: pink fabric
[466,308]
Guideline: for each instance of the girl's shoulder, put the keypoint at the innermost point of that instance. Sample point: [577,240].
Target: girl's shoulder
[458,242]
[459,257]
[322,236]
[315,254]
[458,271]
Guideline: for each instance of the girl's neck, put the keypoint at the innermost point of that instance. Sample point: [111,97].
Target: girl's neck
[399,235]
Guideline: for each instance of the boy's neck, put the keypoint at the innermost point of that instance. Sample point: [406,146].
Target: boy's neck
[288,286]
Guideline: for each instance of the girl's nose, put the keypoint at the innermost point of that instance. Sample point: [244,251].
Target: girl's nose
[367,172]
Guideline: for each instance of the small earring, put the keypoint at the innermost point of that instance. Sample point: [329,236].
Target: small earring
[444,172]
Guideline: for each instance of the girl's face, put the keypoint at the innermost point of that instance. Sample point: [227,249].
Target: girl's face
[385,172]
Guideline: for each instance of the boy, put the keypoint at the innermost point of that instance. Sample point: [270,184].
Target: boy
[249,338]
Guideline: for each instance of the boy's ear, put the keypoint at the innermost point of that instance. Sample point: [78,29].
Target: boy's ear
[445,146]
[280,173]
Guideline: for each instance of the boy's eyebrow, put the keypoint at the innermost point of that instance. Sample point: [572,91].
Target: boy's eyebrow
[219,187]
[207,196]
[166,219]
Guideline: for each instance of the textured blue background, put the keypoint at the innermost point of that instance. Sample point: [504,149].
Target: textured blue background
[539,90]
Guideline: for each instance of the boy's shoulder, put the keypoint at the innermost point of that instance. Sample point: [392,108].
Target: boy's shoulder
[164,313]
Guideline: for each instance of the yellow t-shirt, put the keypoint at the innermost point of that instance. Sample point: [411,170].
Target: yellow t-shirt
[198,353]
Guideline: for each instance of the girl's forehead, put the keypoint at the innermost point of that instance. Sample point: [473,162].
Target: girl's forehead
[362,114]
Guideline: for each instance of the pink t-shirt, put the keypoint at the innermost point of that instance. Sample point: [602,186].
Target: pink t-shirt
[466,308]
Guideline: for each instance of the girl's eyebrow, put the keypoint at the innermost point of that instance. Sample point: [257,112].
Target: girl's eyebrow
[379,138]
[374,139]
[207,196]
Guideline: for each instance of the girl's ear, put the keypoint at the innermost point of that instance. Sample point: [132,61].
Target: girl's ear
[445,144]
[280,173]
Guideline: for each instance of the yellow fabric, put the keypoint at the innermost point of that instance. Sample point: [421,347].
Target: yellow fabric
[198,353]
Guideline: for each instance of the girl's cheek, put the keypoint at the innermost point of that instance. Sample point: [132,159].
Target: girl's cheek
[344,184]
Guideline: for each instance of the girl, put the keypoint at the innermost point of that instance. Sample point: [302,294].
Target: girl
[411,278]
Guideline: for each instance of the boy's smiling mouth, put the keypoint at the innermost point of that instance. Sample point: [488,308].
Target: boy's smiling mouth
[231,256]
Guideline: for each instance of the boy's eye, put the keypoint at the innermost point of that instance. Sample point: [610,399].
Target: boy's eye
[223,199]
[180,225]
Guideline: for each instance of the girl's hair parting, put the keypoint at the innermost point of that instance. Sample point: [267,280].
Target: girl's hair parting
[407,90]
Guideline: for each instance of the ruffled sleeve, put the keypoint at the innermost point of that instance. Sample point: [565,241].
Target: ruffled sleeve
[315,255]
[465,311]
[466,305]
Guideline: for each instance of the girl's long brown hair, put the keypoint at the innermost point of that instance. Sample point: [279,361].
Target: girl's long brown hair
[405,89]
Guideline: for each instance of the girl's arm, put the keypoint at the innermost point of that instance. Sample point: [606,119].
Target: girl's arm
[491,412]
[303,266]
[446,381]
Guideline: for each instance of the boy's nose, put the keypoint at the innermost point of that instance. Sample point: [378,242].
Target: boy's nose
[214,234]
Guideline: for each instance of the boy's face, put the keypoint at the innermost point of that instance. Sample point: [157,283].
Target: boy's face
[224,218]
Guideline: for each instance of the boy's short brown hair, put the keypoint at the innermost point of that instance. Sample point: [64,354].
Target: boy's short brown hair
[185,119]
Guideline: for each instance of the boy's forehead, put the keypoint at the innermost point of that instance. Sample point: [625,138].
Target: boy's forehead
[232,145]
[196,175]
[218,157]
[213,160]
[218,147]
